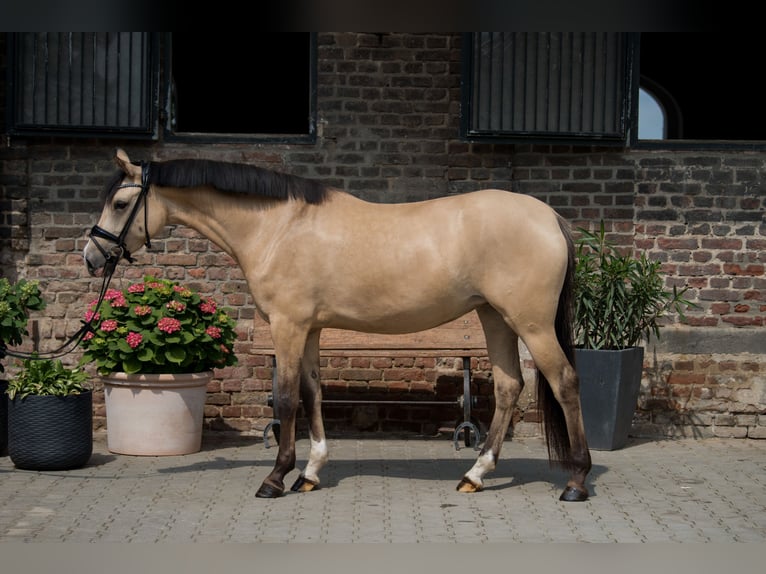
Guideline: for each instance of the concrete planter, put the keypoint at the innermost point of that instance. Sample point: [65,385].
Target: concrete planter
[609,385]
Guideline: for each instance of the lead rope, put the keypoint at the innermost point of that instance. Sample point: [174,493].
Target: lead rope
[113,257]
[73,341]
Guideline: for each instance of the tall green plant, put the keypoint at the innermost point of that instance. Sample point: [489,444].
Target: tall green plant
[619,298]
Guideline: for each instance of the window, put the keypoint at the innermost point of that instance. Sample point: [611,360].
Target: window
[214,87]
[546,86]
[706,85]
[678,89]
[238,86]
[78,83]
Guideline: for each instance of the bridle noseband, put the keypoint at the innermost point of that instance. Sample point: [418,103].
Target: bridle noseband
[120,250]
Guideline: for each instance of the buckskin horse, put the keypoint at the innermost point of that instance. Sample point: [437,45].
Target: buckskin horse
[317,257]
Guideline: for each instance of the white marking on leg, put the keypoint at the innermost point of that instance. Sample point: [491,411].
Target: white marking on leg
[484,464]
[317,458]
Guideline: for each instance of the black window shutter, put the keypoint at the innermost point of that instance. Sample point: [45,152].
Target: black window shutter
[522,86]
[91,83]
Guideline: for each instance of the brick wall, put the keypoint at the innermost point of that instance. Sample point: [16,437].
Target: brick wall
[388,111]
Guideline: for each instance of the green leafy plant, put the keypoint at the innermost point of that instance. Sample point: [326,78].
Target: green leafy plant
[619,298]
[16,300]
[158,326]
[47,377]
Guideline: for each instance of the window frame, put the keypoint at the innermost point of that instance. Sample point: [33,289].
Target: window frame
[157,92]
[631,95]
[680,144]
[203,137]
[148,131]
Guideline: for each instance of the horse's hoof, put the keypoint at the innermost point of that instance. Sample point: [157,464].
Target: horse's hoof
[303,484]
[468,486]
[269,491]
[573,494]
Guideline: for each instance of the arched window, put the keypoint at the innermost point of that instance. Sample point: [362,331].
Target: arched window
[659,117]
[652,124]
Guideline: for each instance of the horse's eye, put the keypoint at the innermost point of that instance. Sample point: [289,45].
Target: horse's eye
[118,205]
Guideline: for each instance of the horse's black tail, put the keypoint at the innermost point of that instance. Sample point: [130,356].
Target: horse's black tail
[554,424]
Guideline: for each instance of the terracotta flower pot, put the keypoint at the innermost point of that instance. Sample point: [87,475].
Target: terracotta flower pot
[155,415]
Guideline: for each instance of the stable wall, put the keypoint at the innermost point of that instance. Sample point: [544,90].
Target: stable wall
[388,116]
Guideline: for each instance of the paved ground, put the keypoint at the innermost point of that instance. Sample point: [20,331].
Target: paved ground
[382,489]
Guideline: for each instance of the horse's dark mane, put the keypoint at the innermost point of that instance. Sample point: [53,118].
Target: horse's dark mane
[234,177]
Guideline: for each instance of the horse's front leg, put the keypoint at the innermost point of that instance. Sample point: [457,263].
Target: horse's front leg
[289,343]
[311,394]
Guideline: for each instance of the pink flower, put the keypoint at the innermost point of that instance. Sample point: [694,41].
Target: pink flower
[109,325]
[112,294]
[176,306]
[92,316]
[88,336]
[169,325]
[183,291]
[141,310]
[214,332]
[119,301]
[136,288]
[208,307]
[134,339]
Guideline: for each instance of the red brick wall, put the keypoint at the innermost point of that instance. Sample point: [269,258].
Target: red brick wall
[388,110]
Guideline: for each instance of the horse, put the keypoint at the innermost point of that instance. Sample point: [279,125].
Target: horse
[317,257]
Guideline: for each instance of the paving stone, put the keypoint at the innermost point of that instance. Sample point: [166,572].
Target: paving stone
[395,490]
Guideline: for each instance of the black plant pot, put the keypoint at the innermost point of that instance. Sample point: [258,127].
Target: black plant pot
[609,385]
[50,433]
[3,419]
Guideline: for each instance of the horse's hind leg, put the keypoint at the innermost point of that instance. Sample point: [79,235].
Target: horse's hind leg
[566,439]
[502,346]
[311,394]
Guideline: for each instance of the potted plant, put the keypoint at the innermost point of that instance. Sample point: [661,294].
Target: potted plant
[16,300]
[619,301]
[50,416]
[155,345]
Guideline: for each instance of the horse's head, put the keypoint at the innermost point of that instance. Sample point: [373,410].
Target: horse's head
[125,221]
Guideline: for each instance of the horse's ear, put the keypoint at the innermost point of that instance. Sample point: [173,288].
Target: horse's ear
[123,162]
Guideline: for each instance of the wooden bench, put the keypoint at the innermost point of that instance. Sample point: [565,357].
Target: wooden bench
[462,338]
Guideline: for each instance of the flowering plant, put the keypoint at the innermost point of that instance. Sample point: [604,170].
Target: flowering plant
[158,326]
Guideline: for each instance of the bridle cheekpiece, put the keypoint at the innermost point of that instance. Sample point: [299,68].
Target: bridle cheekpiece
[120,250]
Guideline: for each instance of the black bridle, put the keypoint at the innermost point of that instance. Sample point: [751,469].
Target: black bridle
[120,250]
[112,257]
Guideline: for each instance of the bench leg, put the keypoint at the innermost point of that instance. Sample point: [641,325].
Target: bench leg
[471,430]
[472,433]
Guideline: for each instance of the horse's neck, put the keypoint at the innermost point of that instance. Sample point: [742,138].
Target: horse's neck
[228,220]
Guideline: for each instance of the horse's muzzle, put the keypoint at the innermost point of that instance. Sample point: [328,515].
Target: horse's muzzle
[95,272]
